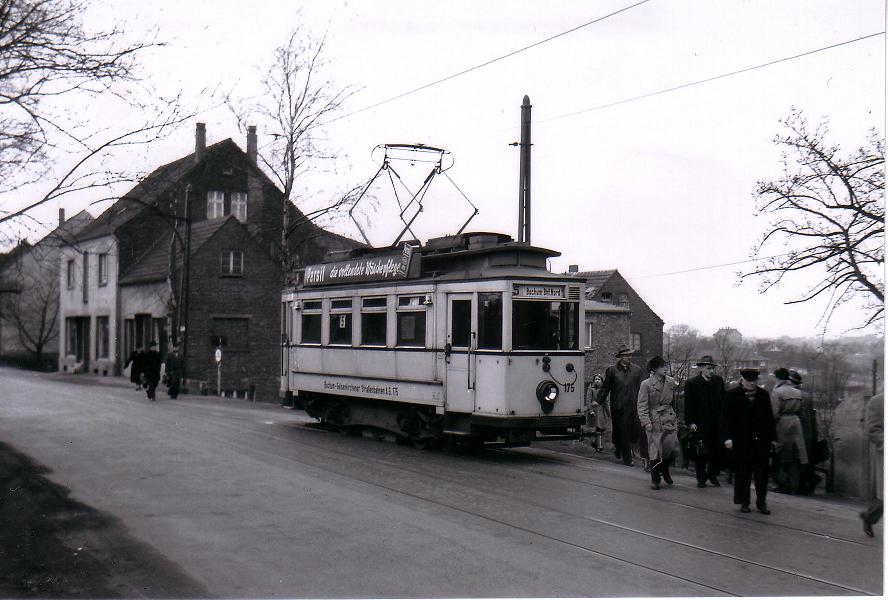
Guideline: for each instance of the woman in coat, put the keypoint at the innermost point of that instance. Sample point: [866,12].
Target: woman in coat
[786,404]
[595,412]
[657,416]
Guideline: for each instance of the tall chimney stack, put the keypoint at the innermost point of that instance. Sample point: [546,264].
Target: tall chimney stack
[252,144]
[524,175]
[61,216]
[200,141]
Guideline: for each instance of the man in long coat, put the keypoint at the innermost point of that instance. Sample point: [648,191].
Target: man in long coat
[657,415]
[704,401]
[136,359]
[748,430]
[620,387]
[174,368]
[786,406]
[875,428]
[151,364]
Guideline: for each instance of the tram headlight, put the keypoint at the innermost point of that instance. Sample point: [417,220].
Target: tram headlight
[547,393]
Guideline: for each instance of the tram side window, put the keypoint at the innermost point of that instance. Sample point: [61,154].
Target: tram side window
[311,322]
[540,325]
[411,321]
[341,322]
[461,323]
[374,321]
[490,320]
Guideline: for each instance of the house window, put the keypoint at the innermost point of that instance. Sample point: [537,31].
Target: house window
[70,335]
[239,206]
[103,269]
[103,336]
[374,321]
[231,334]
[411,321]
[341,322]
[589,335]
[606,297]
[215,204]
[624,300]
[70,275]
[311,322]
[232,263]
[636,342]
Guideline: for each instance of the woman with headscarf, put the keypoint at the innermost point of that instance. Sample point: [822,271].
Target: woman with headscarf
[657,416]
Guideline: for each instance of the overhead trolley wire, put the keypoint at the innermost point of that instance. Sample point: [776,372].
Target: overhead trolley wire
[487,63]
[708,79]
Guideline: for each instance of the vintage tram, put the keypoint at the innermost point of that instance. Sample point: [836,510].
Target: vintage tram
[467,339]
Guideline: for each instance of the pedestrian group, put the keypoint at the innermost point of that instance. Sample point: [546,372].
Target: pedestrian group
[145,370]
[741,429]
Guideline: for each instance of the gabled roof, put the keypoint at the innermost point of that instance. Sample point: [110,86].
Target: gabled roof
[596,279]
[154,265]
[143,194]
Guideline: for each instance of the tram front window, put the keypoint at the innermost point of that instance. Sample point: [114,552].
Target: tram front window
[540,325]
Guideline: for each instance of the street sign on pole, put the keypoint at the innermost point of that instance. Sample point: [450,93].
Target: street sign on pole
[218,357]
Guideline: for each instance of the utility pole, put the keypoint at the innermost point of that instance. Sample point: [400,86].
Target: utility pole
[524,174]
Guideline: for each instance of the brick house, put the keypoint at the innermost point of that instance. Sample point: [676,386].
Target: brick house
[29,295]
[646,327]
[607,327]
[130,278]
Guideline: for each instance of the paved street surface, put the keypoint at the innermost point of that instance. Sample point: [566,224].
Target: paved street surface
[247,500]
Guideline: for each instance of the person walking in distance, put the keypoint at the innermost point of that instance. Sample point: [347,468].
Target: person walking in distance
[174,370]
[657,416]
[620,388]
[136,359]
[704,401]
[151,365]
[875,427]
[748,431]
[786,406]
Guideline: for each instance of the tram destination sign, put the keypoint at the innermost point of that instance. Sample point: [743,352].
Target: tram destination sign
[369,268]
[538,292]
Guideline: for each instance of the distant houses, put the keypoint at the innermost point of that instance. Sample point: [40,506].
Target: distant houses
[29,296]
[191,255]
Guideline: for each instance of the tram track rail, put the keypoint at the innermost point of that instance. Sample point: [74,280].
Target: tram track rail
[666,539]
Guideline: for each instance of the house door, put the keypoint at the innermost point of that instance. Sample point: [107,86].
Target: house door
[81,350]
[459,371]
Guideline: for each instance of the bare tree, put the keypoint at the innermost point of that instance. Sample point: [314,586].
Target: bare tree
[828,211]
[50,63]
[729,344]
[29,300]
[680,343]
[297,100]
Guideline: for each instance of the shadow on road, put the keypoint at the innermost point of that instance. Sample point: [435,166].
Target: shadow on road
[52,546]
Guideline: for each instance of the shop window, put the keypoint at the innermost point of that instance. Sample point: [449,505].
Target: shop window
[103,337]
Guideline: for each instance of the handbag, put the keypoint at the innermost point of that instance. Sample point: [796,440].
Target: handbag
[821,451]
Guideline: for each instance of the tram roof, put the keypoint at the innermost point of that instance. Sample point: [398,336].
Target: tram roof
[476,255]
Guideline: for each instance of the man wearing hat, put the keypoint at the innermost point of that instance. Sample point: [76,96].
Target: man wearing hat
[621,383]
[151,368]
[704,401]
[748,430]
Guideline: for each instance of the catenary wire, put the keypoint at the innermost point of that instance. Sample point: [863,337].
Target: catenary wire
[708,79]
[486,63]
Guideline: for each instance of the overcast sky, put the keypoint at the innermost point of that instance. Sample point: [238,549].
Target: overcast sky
[650,187]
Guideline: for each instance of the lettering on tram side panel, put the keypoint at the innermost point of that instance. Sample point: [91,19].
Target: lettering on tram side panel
[370,268]
[414,391]
[540,292]
[378,390]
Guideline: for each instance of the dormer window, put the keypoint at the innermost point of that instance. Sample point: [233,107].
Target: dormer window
[239,206]
[215,204]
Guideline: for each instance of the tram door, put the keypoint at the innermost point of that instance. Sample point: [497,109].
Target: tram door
[459,382]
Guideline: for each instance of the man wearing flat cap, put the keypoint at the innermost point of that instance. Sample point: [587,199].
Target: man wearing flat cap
[748,430]
[621,383]
[704,402]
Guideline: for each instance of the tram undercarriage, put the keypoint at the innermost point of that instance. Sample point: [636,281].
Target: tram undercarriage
[420,426]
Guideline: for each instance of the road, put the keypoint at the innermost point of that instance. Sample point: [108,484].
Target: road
[249,500]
